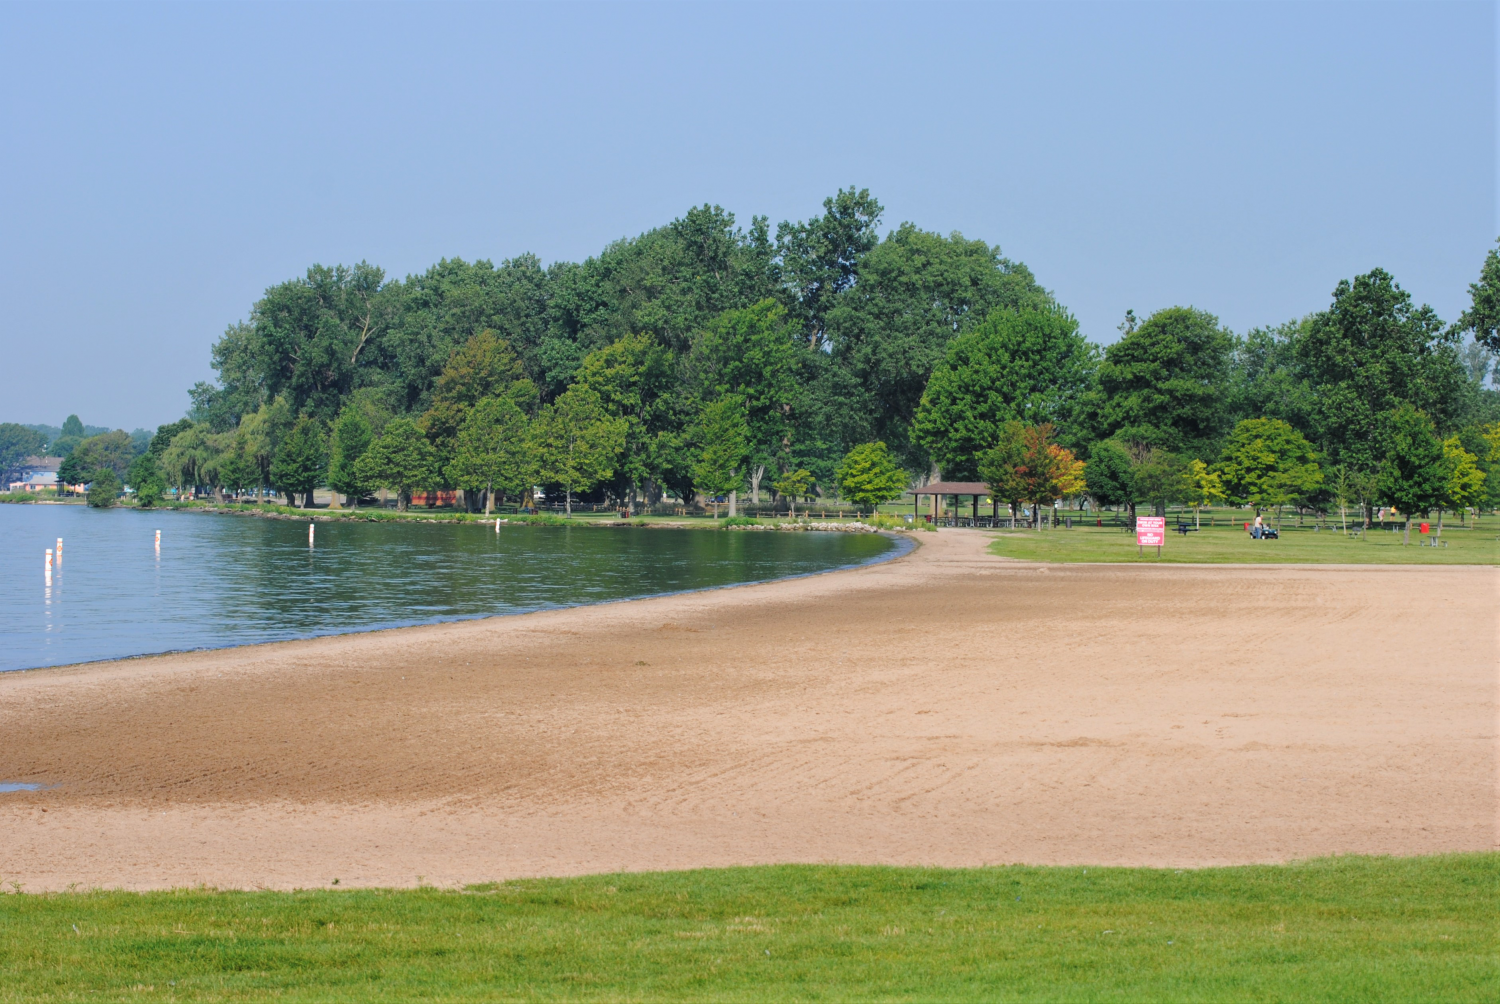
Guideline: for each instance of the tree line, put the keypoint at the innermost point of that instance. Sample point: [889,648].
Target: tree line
[702,359]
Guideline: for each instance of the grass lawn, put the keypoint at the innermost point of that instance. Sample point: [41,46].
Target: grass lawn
[1232,544]
[1341,929]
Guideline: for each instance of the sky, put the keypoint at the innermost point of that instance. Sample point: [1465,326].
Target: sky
[164,164]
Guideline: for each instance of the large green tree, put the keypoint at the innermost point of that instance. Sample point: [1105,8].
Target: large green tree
[17,443]
[1368,354]
[71,435]
[637,380]
[1483,315]
[1030,366]
[491,451]
[576,443]
[753,354]
[483,367]
[146,478]
[916,291]
[870,475]
[313,339]
[721,438]
[111,450]
[1414,474]
[104,489]
[1170,376]
[1268,464]
[1109,475]
[401,459]
[301,462]
[821,257]
[347,442]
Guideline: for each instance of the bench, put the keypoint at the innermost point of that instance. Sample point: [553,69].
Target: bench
[1186,528]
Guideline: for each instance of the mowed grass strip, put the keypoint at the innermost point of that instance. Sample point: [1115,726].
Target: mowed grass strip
[1229,544]
[1338,929]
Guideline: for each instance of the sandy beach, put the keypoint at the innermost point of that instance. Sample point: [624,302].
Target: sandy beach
[947,708]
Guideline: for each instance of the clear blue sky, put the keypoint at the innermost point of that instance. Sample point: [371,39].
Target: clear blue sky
[164,164]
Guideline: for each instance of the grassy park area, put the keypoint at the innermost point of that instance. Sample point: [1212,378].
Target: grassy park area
[1337,929]
[1474,545]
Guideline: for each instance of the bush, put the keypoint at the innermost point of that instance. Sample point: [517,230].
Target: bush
[104,490]
[725,524]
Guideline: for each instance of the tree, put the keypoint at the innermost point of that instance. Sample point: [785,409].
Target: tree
[721,439]
[870,475]
[312,339]
[794,485]
[1030,366]
[147,480]
[1108,476]
[635,378]
[1203,487]
[491,449]
[483,367]
[350,438]
[821,257]
[1368,354]
[576,443]
[17,443]
[104,489]
[1414,475]
[1483,315]
[237,467]
[1267,463]
[111,450]
[1170,375]
[1028,466]
[751,353]
[264,429]
[916,291]
[402,459]
[190,456]
[1157,476]
[1464,484]
[72,434]
[165,434]
[301,461]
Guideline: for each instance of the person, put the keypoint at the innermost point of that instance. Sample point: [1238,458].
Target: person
[1255,531]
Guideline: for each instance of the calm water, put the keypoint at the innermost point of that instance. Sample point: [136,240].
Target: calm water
[227,580]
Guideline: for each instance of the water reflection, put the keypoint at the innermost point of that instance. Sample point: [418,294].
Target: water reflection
[225,581]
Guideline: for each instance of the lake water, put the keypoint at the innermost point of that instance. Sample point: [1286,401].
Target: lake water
[236,580]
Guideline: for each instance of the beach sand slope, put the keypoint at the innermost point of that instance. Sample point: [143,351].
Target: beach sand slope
[946,708]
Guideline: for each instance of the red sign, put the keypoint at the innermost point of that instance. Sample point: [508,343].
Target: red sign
[1150,531]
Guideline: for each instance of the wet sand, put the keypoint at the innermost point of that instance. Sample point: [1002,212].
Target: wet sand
[947,708]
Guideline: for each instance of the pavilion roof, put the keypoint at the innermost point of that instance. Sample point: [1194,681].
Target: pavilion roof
[953,488]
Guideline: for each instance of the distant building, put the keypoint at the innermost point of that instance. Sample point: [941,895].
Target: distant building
[35,482]
[18,476]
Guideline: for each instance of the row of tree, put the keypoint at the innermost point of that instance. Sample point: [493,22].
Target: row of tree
[699,359]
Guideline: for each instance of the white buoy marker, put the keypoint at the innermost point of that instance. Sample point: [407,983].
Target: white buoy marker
[310,527]
[59,552]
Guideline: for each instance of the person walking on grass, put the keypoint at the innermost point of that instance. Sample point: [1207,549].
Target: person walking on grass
[1256,530]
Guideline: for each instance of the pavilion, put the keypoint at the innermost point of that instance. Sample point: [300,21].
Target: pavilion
[937,489]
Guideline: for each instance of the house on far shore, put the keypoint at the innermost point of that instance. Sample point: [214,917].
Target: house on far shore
[35,482]
[24,476]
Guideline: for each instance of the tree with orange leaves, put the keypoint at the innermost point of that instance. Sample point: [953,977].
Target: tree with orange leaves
[1029,466]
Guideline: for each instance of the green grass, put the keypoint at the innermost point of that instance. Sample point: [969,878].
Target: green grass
[1232,544]
[1337,929]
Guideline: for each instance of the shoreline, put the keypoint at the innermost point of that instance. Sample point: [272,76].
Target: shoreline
[947,707]
[897,552]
